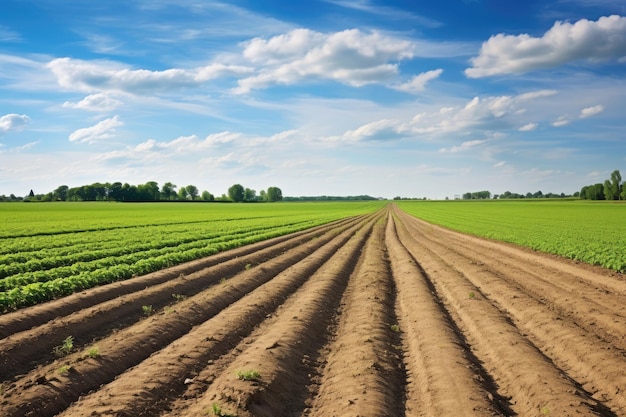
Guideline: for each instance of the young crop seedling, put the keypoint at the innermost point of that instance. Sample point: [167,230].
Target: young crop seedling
[472,295]
[93,352]
[64,370]
[147,310]
[216,410]
[249,375]
[395,328]
[65,348]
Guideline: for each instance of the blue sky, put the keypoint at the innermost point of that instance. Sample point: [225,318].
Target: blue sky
[335,97]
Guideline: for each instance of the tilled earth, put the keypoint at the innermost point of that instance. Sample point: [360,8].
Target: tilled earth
[379,315]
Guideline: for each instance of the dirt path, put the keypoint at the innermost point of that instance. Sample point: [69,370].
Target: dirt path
[380,315]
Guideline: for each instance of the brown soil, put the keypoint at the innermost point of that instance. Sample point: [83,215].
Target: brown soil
[380,315]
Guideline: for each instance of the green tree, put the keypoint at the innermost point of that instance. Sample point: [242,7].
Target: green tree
[168,191]
[236,193]
[249,195]
[608,190]
[61,193]
[616,184]
[182,194]
[207,196]
[192,191]
[274,194]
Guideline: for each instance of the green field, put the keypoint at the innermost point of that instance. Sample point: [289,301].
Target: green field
[590,231]
[52,250]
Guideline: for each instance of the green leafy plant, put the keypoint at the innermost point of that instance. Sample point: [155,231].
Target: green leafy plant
[216,410]
[179,297]
[147,310]
[64,370]
[472,295]
[249,375]
[248,266]
[93,352]
[395,328]
[64,348]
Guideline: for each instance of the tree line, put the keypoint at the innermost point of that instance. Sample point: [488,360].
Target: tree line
[150,191]
[612,189]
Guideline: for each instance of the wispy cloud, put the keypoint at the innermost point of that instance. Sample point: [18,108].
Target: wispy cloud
[529,127]
[417,84]
[368,6]
[102,130]
[591,111]
[95,102]
[564,42]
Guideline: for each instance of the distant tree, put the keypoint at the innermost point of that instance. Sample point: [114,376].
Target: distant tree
[236,193]
[249,195]
[274,194]
[61,193]
[182,194]
[616,185]
[168,191]
[608,190]
[192,191]
[262,195]
[207,196]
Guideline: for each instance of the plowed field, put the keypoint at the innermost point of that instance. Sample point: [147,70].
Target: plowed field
[378,315]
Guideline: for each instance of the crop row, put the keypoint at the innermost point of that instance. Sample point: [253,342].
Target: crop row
[590,232]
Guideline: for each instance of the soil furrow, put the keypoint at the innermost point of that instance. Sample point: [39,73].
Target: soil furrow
[147,388]
[592,362]
[363,374]
[282,351]
[443,381]
[30,317]
[522,372]
[20,352]
[597,311]
[44,393]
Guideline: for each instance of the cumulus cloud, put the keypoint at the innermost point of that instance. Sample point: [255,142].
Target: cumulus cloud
[13,122]
[102,130]
[591,111]
[562,121]
[97,76]
[529,127]
[95,102]
[418,83]
[564,42]
[351,57]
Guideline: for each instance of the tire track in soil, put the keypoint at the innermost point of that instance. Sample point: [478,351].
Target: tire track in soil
[184,358]
[43,392]
[444,379]
[20,352]
[283,347]
[533,383]
[363,373]
[595,364]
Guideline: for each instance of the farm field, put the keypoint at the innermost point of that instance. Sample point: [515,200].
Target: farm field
[589,231]
[374,314]
[53,250]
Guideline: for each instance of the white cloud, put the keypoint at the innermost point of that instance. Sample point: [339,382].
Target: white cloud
[564,42]
[8,35]
[499,164]
[463,146]
[561,121]
[529,127]
[13,122]
[350,57]
[102,130]
[378,130]
[95,102]
[92,76]
[591,111]
[418,82]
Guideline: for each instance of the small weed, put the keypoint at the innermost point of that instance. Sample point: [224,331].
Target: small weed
[168,310]
[64,370]
[395,328]
[249,375]
[222,281]
[93,352]
[179,297]
[545,411]
[472,295]
[65,348]
[216,410]
[147,310]
[248,266]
